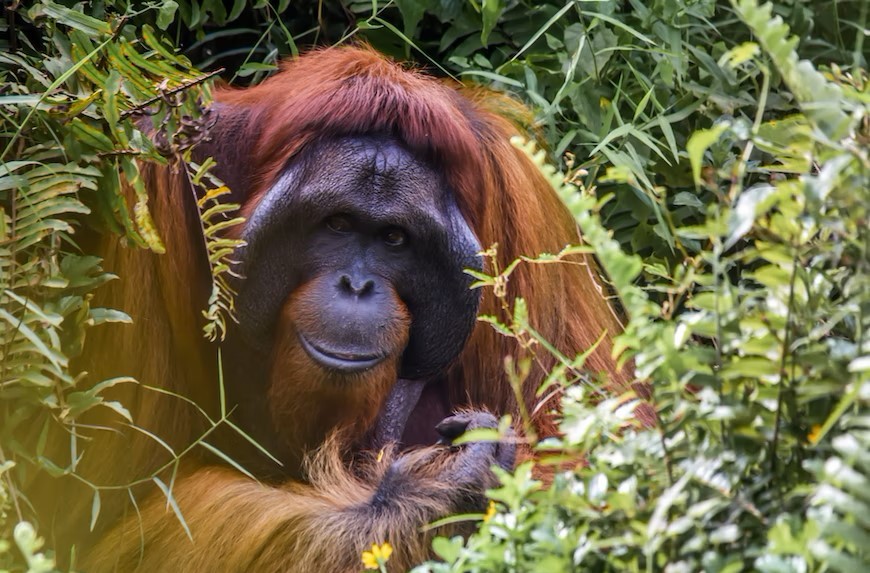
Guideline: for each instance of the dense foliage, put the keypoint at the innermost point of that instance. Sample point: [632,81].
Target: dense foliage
[717,166]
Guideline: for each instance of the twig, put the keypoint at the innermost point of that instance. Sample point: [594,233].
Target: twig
[170,92]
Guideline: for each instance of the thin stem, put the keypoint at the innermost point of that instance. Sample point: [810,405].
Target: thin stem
[783,378]
[13,492]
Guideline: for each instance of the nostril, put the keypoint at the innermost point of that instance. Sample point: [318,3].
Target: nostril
[366,287]
[344,281]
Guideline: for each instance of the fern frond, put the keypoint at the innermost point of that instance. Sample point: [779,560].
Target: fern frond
[216,218]
[842,497]
[821,100]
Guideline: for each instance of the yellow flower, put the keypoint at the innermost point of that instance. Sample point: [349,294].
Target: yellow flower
[490,511]
[814,435]
[369,561]
[377,556]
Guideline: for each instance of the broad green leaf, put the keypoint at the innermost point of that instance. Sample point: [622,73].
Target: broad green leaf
[73,18]
[698,144]
[166,14]
[750,204]
[490,11]
[447,549]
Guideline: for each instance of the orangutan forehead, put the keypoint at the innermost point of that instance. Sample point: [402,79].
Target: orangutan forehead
[379,156]
[376,168]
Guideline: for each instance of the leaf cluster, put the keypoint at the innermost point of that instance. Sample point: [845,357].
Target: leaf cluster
[86,102]
[754,349]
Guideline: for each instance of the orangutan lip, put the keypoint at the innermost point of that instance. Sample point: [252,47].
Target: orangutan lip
[342,361]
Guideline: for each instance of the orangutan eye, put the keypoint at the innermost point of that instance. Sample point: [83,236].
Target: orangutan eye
[339,223]
[395,237]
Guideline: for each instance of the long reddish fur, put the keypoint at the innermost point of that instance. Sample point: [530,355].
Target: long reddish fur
[464,133]
[238,524]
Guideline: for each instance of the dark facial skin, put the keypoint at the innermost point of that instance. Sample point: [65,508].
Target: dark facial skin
[366,228]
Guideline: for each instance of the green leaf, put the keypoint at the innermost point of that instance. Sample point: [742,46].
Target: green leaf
[170,502]
[739,54]
[238,6]
[447,549]
[217,452]
[412,12]
[95,509]
[90,135]
[821,100]
[155,43]
[73,18]
[698,144]
[751,203]
[490,10]
[166,14]
[250,68]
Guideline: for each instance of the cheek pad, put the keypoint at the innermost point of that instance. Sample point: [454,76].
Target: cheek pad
[443,306]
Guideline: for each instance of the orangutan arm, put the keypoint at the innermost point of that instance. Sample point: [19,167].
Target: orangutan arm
[238,524]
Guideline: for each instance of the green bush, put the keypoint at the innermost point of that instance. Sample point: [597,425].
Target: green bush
[718,168]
